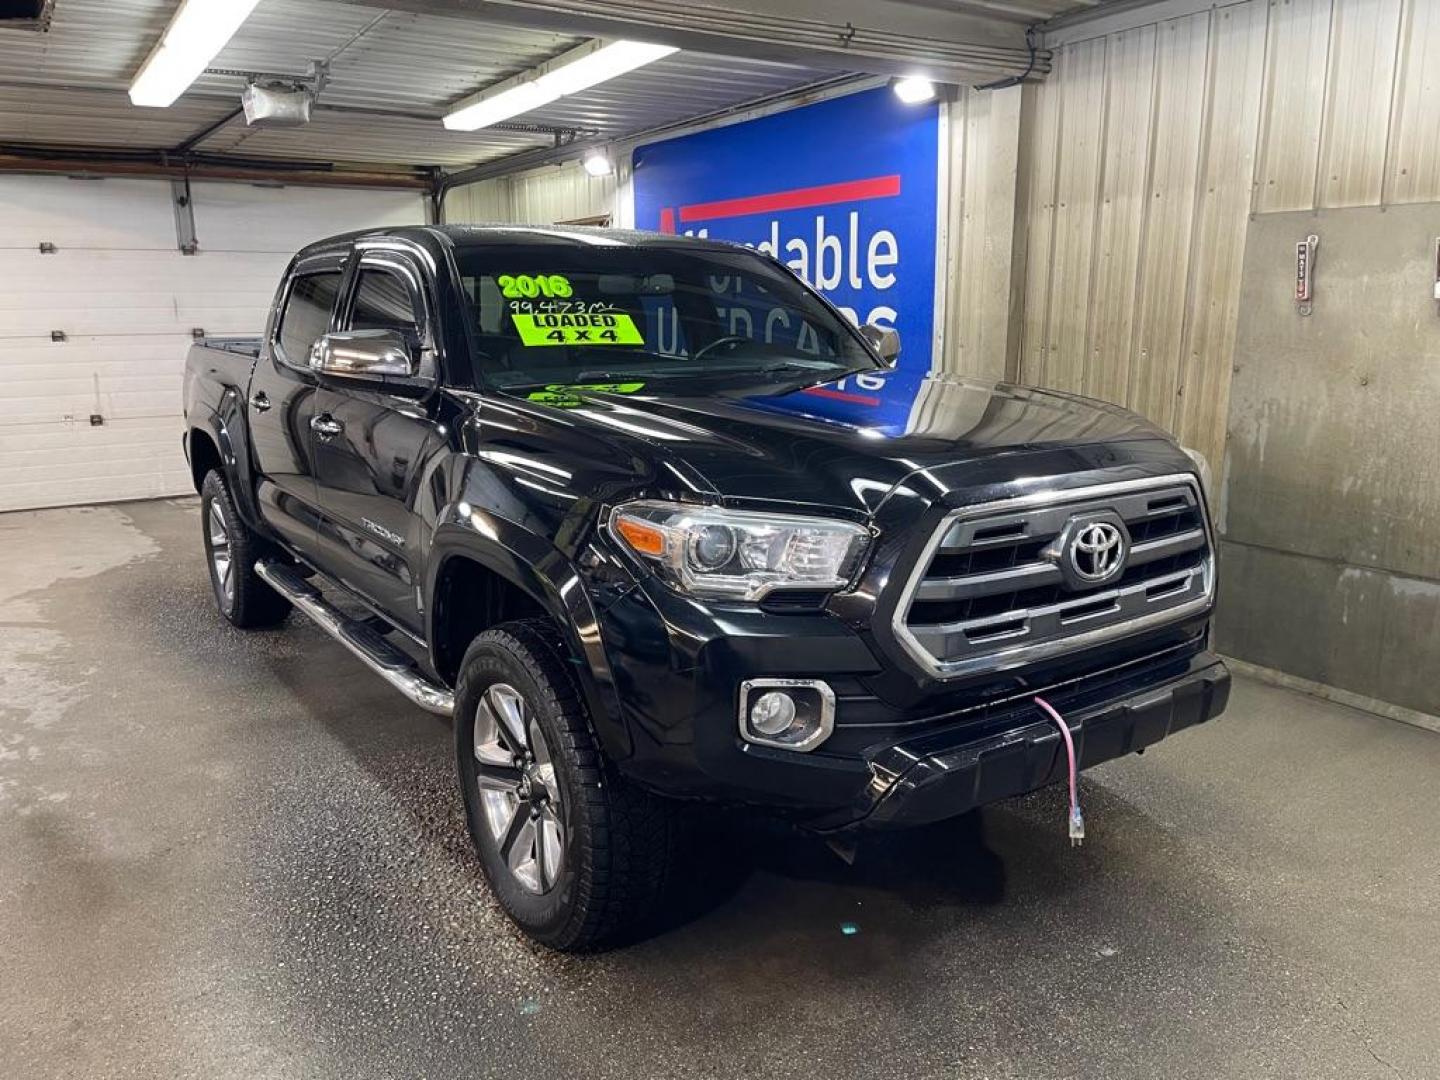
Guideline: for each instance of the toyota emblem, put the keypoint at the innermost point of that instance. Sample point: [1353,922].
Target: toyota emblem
[1097,551]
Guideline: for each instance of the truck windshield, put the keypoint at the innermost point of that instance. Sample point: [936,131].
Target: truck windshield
[572,314]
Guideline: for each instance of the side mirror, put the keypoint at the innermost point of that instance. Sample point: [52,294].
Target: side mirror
[884,340]
[371,355]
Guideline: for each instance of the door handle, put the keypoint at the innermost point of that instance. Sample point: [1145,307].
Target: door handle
[326,426]
[260,401]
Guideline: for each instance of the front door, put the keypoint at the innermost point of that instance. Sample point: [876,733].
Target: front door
[281,402]
[371,449]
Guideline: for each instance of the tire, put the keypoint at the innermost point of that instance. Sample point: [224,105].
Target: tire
[231,548]
[577,876]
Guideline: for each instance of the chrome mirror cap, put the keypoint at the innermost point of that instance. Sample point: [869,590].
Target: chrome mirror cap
[885,340]
[365,354]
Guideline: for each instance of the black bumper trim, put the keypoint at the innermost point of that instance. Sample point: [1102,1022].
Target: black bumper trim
[914,784]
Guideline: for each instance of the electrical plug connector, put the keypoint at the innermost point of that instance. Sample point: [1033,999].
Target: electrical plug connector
[1076,821]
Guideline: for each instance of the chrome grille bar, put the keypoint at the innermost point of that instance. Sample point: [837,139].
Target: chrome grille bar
[1047,573]
[987,593]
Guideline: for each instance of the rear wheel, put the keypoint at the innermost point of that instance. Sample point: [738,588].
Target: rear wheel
[575,855]
[231,548]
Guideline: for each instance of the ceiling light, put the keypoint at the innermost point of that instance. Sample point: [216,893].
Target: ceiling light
[518,99]
[913,89]
[571,72]
[597,164]
[195,35]
[604,63]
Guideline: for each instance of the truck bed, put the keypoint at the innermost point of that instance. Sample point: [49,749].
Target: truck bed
[215,367]
[244,346]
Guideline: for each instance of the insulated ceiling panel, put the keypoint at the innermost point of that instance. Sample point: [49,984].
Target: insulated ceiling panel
[393,70]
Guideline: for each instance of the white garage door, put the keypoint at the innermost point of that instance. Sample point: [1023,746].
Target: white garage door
[126,301]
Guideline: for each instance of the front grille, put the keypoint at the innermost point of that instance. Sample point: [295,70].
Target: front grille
[989,592]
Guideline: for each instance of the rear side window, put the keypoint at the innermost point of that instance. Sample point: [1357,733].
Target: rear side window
[307,314]
[384,302]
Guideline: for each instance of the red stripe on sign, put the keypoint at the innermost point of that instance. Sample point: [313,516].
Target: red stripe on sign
[667,220]
[877,187]
[841,395]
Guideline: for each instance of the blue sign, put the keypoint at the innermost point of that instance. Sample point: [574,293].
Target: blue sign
[844,191]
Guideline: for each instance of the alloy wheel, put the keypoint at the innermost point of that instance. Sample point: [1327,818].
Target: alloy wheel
[220,558]
[518,789]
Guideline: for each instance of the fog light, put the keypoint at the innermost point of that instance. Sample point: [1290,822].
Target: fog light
[793,714]
[772,713]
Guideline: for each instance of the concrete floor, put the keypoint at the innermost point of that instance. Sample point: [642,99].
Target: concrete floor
[240,855]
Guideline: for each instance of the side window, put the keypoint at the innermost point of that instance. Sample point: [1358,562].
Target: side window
[307,315]
[383,301]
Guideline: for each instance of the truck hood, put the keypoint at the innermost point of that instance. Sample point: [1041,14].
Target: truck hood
[774,449]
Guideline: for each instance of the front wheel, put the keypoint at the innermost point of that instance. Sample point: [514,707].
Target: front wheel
[576,856]
[231,548]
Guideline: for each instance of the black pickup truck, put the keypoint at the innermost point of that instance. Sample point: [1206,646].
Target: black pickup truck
[572,487]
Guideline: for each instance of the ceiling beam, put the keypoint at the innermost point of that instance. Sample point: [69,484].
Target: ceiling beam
[878,37]
[1083,24]
[92,161]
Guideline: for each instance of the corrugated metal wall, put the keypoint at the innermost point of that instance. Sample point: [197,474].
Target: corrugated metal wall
[556,193]
[1150,147]
[1142,156]
[981,290]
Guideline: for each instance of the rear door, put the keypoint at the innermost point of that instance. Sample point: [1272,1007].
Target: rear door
[371,447]
[281,402]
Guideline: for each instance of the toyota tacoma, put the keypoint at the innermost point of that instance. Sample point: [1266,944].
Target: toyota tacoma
[578,490]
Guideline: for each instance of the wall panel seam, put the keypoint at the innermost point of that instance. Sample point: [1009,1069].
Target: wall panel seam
[1261,158]
[1146,203]
[1202,162]
[1047,330]
[1392,116]
[1083,379]
[1327,110]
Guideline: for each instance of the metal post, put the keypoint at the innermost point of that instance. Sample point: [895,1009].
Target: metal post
[185,236]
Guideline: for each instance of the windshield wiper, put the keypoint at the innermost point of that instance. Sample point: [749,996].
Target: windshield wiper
[616,376]
[804,376]
[791,365]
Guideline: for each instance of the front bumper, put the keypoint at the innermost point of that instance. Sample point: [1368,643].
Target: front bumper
[944,774]
[886,764]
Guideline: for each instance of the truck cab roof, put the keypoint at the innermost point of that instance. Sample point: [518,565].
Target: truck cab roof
[483,235]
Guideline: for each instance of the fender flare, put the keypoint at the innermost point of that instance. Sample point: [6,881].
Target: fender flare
[225,427]
[534,565]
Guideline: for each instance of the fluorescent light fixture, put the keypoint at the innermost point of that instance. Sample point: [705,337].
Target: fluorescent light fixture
[597,164]
[604,63]
[520,98]
[195,35]
[571,72]
[913,89]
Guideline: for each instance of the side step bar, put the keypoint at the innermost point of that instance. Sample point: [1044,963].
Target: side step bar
[392,665]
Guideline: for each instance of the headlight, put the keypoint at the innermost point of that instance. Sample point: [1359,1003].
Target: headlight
[739,554]
[1201,466]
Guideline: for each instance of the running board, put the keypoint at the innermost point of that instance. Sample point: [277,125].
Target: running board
[392,665]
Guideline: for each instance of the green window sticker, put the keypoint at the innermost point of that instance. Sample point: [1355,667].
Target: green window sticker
[526,286]
[566,396]
[593,328]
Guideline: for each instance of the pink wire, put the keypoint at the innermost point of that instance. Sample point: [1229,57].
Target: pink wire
[1069,747]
